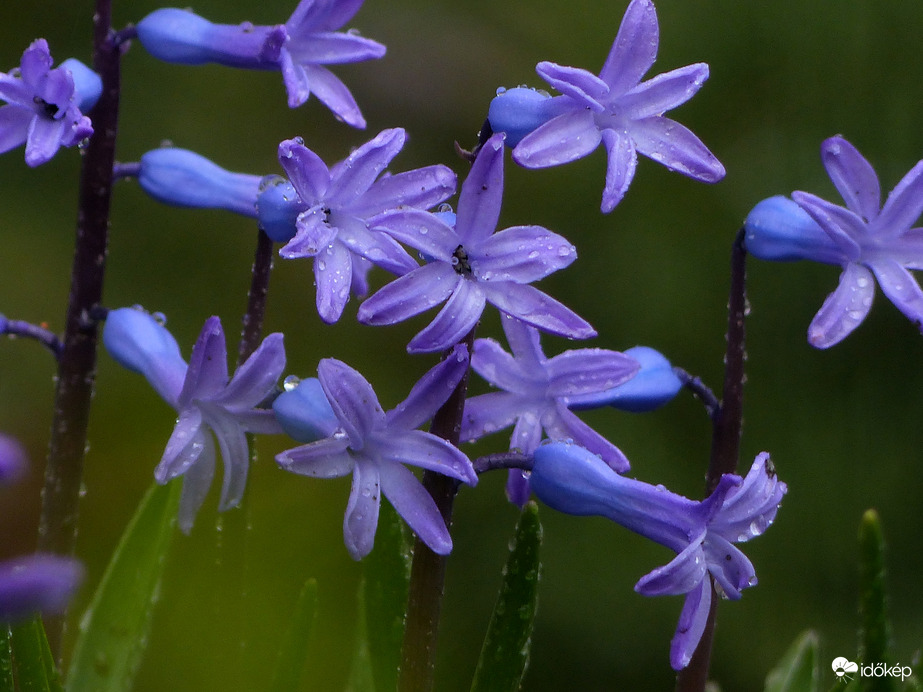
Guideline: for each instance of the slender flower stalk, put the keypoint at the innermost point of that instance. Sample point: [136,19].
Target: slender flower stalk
[77,364]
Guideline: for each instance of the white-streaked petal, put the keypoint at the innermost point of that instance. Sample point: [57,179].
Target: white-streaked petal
[844,309]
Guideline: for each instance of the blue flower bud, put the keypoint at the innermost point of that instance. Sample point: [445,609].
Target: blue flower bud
[182,178]
[88,86]
[277,208]
[304,412]
[140,343]
[779,230]
[180,36]
[654,385]
[518,111]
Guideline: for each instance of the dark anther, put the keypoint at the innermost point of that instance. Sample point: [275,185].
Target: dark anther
[48,109]
[462,266]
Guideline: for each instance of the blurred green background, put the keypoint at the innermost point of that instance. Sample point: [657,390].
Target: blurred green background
[843,426]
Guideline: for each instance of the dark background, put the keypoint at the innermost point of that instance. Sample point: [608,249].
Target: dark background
[842,426]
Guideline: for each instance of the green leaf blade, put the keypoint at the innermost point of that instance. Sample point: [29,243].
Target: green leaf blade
[797,671]
[34,665]
[295,646]
[505,654]
[114,630]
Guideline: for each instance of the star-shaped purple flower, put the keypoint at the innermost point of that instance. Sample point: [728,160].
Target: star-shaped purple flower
[875,242]
[207,401]
[573,480]
[314,42]
[534,396]
[211,403]
[43,108]
[471,266]
[620,111]
[299,48]
[374,446]
[327,212]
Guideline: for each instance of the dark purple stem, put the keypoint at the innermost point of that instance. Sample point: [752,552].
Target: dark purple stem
[77,363]
[252,331]
[725,442]
[700,390]
[427,573]
[502,462]
[32,331]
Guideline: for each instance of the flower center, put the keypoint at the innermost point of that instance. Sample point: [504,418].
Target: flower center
[460,261]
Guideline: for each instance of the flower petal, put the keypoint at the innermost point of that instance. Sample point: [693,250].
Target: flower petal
[487,413]
[504,371]
[581,85]
[422,188]
[14,126]
[416,506]
[901,288]
[538,309]
[427,451]
[330,47]
[196,483]
[187,442]
[663,92]
[352,399]
[352,177]
[409,295]
[853,176]
[334,94]
[565,425]
[620,167]
[845,227]
[522,254]
[44,140]
[430,392]
[586,370]
[731,569]
[681,575]
[232,441]
[674,146]
[361,520]
[326,458]
[419,229]
[207,374]
[257,376]
[904,205]
[481,195]
[333,276]
[562,139]
[306,171]
[691,625]
[458,317]
[635,47]
[844,309]
[37,583]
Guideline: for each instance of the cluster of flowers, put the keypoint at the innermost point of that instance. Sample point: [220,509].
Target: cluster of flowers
[354,215]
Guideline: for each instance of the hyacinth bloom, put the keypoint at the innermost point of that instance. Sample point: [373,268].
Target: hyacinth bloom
[868,240]
[210,405]
[183,178]
[471,265]
[323,213]
[573,480]
[299,48]
[615,109]
[373,446]
[534,396]
[43,105]
[34,583]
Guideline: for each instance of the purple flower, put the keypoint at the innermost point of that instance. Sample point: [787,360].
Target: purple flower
[620,111]
[868,240]
[211,403]
[43,108]
[299,48]
[208,402]
[534,396]
[573,480]
[323,213]
[313,42]
[37,583]
[374,446]
[471,265]
[34,583]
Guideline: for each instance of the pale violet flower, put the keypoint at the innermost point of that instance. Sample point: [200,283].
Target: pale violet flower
[534,393]
[869,241]
[44,106]
[300,48]
[615,109]
[573,480]
[374,446]
[210,405]
[324,213]
[470,265]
